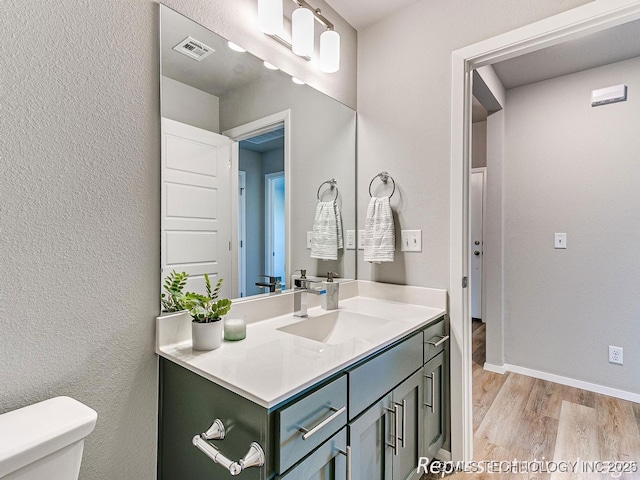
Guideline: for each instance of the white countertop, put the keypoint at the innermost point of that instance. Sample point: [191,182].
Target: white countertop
[269,366]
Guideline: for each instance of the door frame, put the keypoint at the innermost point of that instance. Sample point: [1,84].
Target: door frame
[248,130]
[242,233]
[590,18]
[268,221]
[483,303]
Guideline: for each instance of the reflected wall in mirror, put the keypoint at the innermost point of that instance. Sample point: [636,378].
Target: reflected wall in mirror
[244,151]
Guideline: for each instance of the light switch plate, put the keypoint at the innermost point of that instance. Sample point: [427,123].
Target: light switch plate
[351,240]
[360,239]
[309,239]
[560,240]
[411,240]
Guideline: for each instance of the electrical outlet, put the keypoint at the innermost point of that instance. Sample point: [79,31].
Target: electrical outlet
[309,239]
[411,240]
[351,240]
[360,239]
[560,241]
[615,355]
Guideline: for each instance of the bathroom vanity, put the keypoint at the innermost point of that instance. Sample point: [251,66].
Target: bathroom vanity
[356,393]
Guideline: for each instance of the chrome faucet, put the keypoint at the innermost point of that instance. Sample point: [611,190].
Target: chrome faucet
[274,284]
[303,286]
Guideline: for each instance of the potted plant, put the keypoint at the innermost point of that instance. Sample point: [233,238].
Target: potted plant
[172,299]
[207,312]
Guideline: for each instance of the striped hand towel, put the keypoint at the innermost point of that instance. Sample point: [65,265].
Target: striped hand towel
[379,231]
[327,231]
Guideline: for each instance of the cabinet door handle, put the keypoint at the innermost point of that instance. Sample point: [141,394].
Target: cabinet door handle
[433,396]
[348,455]
[439,342]
[336,413]
[404,422]
[396,428]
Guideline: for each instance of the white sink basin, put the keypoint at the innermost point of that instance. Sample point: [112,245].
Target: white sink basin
[334,327]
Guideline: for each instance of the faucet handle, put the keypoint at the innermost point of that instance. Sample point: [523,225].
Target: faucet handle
[271,278]
[331,276]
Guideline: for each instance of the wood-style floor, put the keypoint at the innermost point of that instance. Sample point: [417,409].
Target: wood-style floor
[523,418]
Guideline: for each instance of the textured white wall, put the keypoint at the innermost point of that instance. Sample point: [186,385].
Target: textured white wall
[572,168]
[404,116]
[80,208]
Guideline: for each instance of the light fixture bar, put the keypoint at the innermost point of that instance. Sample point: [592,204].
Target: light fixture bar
[316,13]
[282,41]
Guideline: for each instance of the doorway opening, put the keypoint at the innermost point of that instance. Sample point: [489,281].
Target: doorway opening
[262,251]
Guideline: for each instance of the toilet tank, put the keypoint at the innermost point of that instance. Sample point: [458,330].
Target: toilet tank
[44,440]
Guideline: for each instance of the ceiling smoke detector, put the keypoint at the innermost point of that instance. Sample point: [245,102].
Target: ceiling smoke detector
[192,48]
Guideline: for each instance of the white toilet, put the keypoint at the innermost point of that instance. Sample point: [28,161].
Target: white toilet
[44,440]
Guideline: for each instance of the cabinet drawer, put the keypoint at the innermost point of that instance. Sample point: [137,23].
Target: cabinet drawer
[309,421]
[433,339]
[374,378]
[327,461]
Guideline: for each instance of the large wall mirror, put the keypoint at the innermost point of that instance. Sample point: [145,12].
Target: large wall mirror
[246,153]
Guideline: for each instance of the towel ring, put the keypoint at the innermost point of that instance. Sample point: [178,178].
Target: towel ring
[384,176]
[333,184]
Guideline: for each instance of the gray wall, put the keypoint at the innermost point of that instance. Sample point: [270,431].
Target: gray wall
[80,208]
[573,168]
[186,104]
[322,146]
[404,117]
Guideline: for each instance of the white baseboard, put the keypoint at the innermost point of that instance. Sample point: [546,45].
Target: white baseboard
[570,382]
[490,367]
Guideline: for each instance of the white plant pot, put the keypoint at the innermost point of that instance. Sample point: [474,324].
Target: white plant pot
[206,336]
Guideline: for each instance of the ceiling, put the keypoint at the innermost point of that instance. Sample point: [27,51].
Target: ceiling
[363,13]
[594,50]
[207,75]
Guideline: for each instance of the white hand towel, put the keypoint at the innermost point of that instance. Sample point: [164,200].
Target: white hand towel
[379,231]
[327,232]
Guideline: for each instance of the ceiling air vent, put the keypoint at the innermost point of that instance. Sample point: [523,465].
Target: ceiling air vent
[193,49]
[266,137]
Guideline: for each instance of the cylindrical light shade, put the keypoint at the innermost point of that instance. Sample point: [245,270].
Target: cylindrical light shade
[302,32]
[270,16]
[330,51]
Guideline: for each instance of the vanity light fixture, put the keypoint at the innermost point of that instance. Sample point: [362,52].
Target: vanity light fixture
[302,32]
[270,66]
[235,47]
[297,81]
[330,51]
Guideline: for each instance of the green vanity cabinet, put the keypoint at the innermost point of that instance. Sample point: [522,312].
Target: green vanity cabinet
[376,417]
[188,406]
[435,404]
[327,462]
[384,440]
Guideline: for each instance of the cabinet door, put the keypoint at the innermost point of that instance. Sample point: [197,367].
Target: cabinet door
[407,397]
[369,437]
[434,405]
[327,462]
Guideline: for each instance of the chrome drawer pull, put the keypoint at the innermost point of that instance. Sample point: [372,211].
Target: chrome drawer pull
[322,424]
[433,397]
[396,427]
[348,455]
[439,342]
[404,422]
[253,458]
